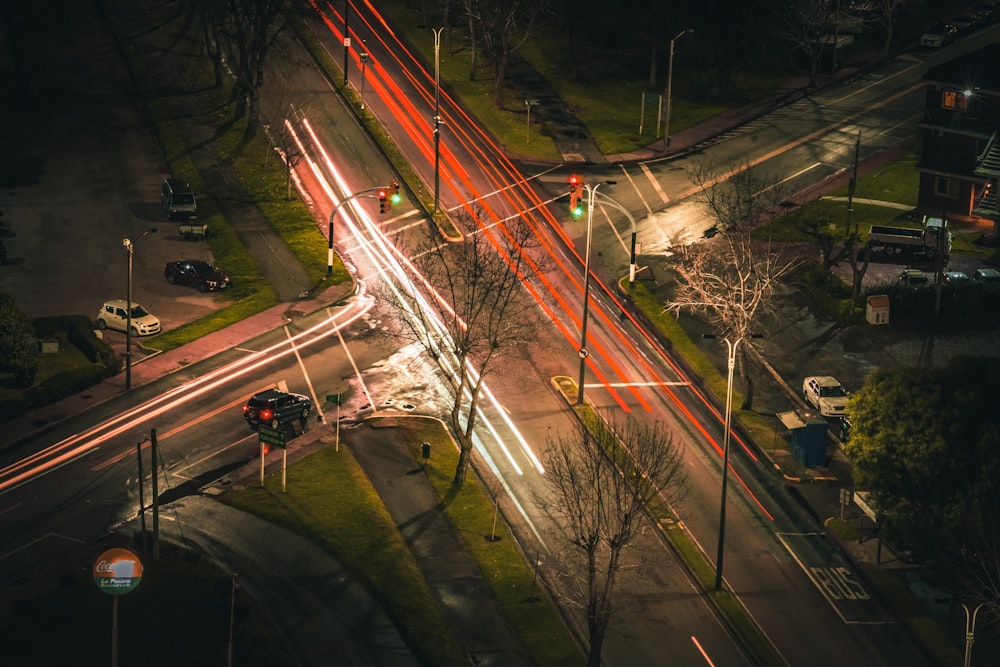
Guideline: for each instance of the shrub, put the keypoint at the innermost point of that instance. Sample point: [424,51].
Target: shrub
[65,384]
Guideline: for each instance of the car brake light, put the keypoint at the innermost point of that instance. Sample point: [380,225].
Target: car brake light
[265,415]
[246,408]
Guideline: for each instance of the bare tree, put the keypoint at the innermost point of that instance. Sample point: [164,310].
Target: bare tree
[886,14]
[818,230]
[279,114]
[208,15]
[805,23]
[600,482]
[473,308]
[731,279]
[249,28]
[501,26]
[859,259]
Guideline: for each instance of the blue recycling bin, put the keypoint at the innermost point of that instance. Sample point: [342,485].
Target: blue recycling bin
[808,437]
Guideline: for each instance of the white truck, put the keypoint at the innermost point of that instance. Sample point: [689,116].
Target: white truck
[924,243]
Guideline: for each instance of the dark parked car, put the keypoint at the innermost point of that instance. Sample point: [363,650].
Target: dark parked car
[938,35]
[956,280]
[274,408]
[987,11]
[178,200]
[196,273]
[965,23]
[988,278]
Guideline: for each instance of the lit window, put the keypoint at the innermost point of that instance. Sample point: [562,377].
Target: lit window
[955,100]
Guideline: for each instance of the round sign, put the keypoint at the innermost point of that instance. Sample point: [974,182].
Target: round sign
[117,571]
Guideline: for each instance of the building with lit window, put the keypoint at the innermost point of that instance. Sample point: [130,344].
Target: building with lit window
[959,152]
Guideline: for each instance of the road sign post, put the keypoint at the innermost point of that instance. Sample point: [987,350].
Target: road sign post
[269,436]
[337,398]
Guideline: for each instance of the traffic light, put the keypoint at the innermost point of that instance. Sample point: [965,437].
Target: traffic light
[394,198]
[575,196]
[383,205]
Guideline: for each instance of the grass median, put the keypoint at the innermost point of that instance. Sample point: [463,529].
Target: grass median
[330,501]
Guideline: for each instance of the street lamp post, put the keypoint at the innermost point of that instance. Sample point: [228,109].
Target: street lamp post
[584,353]
[970,631]
[731,364]
[591,200]
[129,246]
[437,115]
[364,63]
[670,85]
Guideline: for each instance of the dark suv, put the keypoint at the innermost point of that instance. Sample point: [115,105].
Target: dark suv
[178,200]
[274,408]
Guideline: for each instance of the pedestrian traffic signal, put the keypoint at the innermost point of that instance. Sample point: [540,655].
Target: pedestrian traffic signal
[575,196]
[383,205]
[394,187]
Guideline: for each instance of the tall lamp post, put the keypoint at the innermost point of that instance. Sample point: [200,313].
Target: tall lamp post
[437,114]
[970,631]
[731,364]
[364,63]
[129,246]
[584,353]
[670,85]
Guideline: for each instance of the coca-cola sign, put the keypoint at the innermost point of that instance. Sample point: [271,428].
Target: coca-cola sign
[117,571]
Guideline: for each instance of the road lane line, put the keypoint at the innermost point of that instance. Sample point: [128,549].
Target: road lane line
[305,374]
[655,183]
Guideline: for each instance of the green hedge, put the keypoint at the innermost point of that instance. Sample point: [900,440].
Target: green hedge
[65,384]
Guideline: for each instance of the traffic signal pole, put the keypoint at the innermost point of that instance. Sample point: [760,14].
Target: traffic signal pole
[386,195]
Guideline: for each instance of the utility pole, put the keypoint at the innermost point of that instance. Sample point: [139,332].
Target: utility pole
[156,495]
[856,236]
[347,38]
[142,501]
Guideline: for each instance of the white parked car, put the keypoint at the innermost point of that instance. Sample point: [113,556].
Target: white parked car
[113,315]
[826,395]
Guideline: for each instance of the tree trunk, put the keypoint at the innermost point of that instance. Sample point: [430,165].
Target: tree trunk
[253,115]
[474,51]
[499,74]
[747,380]
[596,645]
[464,460]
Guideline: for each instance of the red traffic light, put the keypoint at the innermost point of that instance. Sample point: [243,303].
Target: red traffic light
[381,201]
[575,196]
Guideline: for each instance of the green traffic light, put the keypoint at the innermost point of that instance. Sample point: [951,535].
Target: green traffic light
[577,212]
[396,198]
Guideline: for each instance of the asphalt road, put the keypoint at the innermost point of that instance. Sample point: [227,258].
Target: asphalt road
[31,223]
